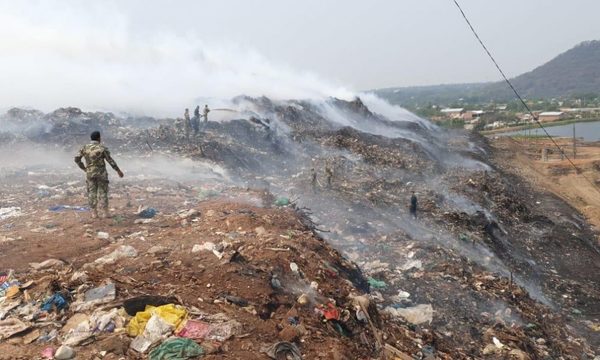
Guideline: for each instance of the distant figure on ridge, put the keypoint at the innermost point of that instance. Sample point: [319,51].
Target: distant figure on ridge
[206,111]
[96,175]
[314,181]
[413,205]
[196,120]
[187,125]
[329,174]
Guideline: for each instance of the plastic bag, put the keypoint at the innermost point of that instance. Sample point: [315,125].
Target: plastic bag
[170,313]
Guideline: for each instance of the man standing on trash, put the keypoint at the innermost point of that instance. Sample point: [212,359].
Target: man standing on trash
[187,124]
[329,174]
[196,120]
[413,205]
[96,175]
[206,111]
[314,180]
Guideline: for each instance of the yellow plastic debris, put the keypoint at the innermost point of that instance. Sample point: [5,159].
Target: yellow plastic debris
[171,314]
[12,292]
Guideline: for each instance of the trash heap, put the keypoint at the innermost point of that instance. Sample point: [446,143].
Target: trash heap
[491,267]
[272,290]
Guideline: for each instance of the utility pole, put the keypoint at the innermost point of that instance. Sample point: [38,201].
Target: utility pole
[574,143]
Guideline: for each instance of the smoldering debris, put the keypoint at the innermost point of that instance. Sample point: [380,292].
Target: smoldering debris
[474,242]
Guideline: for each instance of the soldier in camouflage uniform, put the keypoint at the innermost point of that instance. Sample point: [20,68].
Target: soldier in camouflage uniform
[96,175]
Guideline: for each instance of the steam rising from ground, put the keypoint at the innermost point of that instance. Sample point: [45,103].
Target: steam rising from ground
[84,55]
[45,159]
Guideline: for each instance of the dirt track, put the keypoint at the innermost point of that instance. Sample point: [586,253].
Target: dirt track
[524,157]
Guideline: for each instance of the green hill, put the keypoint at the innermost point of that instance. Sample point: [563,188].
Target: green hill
[573,73]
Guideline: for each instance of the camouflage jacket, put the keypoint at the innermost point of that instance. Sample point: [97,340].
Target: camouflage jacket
[95,154]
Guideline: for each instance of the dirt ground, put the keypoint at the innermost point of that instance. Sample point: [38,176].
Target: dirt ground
[491,268]
[259,242]
[582,191]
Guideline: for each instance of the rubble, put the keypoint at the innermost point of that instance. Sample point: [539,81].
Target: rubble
[123,251]
[9,212]
[260,259]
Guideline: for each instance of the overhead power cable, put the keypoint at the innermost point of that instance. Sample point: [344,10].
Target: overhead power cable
[577,171]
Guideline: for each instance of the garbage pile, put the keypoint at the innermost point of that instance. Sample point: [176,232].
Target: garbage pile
[488,266]
[260,284]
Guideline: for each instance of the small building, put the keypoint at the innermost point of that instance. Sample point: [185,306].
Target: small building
[495,125]
[524,117]
[548,116]
[590,111]
[453,113]
[471,114]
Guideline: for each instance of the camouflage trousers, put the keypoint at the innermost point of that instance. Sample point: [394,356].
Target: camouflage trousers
[97,191]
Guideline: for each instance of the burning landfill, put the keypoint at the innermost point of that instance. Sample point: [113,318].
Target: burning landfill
[285,230]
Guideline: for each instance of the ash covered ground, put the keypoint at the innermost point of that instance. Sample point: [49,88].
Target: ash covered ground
[491,268]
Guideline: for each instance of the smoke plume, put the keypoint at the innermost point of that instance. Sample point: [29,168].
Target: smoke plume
[84,55]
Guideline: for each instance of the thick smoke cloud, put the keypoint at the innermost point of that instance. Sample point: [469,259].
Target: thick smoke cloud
[83,54]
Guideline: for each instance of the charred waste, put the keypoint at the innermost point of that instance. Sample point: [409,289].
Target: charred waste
[487,267]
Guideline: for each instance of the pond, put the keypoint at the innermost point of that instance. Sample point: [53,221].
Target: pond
[589,131]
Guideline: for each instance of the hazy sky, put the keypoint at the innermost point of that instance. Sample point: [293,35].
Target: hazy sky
[125,53]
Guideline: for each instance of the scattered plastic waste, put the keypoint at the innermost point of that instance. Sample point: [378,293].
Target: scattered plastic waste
[170,313]
[137,304]
[155,329]
[64,353]
[42,193]
[50,263]
[195,329]
[282,201]
[48,353]
[56,301]
[121,252]
[328,312]
[275,282]
[284,350]
[303,299]
[101,294]
[176,349]
[10,327]
[236,300]
[7,306]
[224,331]
[416,315]
[9,212]
[59,208]
[147,213]
[157,249]
[207,194]
[48,336]
[209,246]
[377,284]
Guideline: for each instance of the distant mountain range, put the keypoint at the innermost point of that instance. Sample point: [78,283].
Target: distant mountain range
[573,73]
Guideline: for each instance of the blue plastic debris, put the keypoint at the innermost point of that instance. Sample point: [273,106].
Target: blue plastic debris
[147,213]
[55,301]
[58,208]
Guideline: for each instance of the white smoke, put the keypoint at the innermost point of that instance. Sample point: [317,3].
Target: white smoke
[83,54]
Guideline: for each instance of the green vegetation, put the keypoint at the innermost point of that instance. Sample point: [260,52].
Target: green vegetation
[528,137]
[571,77]
[453,124]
